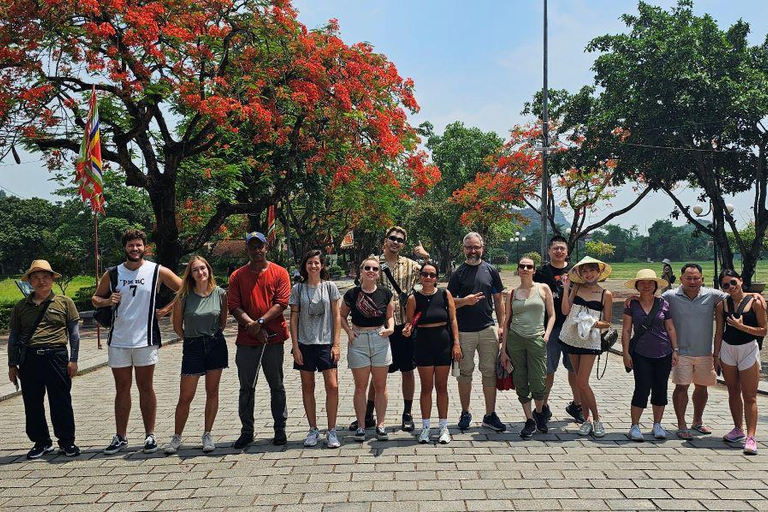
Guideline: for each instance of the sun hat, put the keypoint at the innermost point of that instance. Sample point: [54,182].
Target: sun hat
[646,274]
[666,261]
[604,270]
[39,266]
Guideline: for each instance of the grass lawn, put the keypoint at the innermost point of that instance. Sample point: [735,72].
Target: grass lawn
[9,292]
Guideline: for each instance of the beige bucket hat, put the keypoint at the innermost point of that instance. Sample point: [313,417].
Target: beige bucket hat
[39,266]
[646,274]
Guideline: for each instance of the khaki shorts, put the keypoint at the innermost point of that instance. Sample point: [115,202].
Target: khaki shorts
[697,369]
[486,344]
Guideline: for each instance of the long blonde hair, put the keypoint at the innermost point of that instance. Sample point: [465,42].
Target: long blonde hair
[188,282]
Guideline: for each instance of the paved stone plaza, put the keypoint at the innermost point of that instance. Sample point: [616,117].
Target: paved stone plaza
[479,470]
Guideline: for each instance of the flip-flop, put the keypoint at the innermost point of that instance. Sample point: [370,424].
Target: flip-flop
[702,428]
[683,433]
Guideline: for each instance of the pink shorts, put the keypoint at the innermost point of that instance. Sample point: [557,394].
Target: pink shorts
[699,370]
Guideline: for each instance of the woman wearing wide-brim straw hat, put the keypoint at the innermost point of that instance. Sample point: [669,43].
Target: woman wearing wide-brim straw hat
[588,308]
[654,351]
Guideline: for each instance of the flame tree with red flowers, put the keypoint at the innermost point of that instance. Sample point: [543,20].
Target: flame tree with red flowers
[241,85]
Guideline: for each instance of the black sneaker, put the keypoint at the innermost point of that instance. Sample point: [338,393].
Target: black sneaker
[39,450]
[381,434]
[528,429]
[242,441]
[574,410]
[118,443]
[150,444]
[369,423]
[280,438]
[541,421]
[70,451]
[493,422]
[465,419]
[407,424]
[547,412]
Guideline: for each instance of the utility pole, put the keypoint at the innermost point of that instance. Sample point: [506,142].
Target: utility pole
[545,148]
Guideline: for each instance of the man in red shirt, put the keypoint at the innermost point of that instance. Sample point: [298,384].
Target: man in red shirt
[257,296]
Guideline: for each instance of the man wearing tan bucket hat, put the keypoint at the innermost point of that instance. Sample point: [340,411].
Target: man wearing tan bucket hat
[41,325]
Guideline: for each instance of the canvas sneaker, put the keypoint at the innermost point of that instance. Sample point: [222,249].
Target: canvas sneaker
[332,439]
[208,444]
[173,445]
[635,434]
[445,435]
[658,431]
[424,435]
[465,420]
[150,444]
[585,429]
[492,421]
[750,446]
[39,450]
[118,444]
[598,429]
[734,436]
[312,437]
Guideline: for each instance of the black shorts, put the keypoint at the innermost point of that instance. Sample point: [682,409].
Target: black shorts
[402,351]
[433,346]
[203,354]
[317,358]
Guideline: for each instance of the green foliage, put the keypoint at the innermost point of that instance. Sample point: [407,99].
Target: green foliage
[25,226]
[599,249]
[535,256]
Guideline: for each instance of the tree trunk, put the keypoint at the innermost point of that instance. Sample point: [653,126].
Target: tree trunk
[162,194]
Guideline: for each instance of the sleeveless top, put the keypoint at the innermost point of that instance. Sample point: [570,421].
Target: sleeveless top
[202,315]
[134,322]
[433,308]
[734,336]
[528,314]
[569,333]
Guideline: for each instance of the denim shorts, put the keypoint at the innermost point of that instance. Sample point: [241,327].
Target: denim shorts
[369,349]
[204,353]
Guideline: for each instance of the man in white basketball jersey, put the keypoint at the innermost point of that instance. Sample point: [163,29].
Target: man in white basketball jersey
[134,335]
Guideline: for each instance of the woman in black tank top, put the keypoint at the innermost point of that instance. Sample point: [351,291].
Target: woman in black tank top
[431,318]
[739,322]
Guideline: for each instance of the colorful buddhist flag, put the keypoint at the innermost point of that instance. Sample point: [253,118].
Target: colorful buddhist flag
[88,176]
[271,225]
[349,240]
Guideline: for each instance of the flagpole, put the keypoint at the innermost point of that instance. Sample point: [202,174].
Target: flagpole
[96,267]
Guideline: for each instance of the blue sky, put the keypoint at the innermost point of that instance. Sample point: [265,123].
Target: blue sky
[478,62]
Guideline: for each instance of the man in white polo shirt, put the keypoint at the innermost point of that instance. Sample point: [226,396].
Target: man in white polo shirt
[134,335]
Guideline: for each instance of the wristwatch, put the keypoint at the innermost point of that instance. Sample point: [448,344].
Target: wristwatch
[260,321]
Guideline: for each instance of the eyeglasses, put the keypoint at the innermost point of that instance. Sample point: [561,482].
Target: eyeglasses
[728,284]
[368,268]
[522,266]
[396,239]
[430,275]
[473,247]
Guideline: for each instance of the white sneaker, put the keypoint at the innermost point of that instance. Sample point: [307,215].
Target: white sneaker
[312,437]
[585,429]
[332,439]
[424,435]
[208,444]
[445,435]
[599,429]
[173,446]
[659,432]
[635,434]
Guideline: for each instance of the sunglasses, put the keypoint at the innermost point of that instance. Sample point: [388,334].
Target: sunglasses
[523,266]
[728,284]
[368,268]
[430,275]
[397,239]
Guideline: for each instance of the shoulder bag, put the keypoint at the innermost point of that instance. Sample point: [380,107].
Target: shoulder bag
[103,315]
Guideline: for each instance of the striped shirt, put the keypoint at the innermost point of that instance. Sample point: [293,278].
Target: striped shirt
[406,274]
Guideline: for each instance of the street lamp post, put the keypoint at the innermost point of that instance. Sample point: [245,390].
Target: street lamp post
[698,210]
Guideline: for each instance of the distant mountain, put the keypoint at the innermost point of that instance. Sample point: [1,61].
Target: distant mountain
[535,220]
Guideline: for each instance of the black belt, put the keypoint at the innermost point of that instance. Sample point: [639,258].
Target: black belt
[43,350]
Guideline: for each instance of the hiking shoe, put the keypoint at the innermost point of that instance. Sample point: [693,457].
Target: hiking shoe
[407,423]
[547,412]
[585,429]
[39,450]
[658,431]
[118,443]
[381,434]
[242,441]
[492,421]
[424,435]
[312,437]
[150,444]
[445,435]
[598,429]
[528,429]
[369,423]
[465,419]
[541,421]
[750,446]
[332,439]
[208,444]
[575,411]
[280,438]
[635,434]
[173,445]
[360,435]
[70,451]
[734,436]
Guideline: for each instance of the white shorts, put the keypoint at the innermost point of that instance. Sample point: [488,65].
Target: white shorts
[119,357]
[743,356]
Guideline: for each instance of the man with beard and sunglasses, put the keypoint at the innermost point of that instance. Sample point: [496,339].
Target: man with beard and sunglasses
[398,274]
[134,336]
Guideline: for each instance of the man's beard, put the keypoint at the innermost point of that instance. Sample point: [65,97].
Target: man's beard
[133,258]
[473,259]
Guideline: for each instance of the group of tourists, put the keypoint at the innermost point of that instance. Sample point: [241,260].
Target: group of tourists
[396,319]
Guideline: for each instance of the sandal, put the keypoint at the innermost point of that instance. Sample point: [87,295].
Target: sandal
[684,434]
[702,428]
